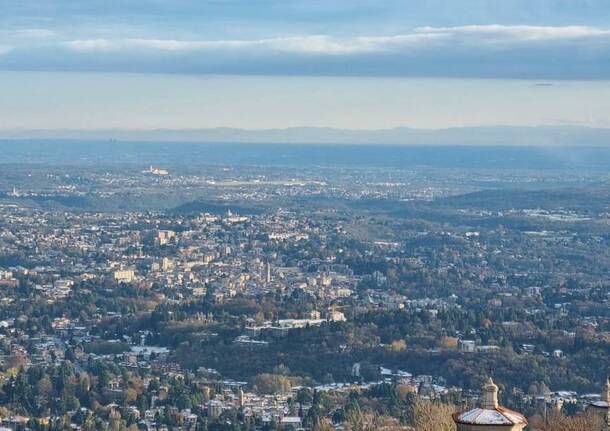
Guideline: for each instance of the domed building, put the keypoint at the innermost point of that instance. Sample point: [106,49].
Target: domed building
[601,408]
[490,416]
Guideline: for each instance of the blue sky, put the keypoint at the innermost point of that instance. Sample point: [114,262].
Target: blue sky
[487,54]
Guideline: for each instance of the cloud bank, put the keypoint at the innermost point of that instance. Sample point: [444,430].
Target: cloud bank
[498,51]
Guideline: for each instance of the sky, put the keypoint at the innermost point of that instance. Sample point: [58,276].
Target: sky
[285,63]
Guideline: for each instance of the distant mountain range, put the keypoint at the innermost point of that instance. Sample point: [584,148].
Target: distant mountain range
[536,136]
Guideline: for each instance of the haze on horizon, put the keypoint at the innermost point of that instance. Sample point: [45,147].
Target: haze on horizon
[266,64]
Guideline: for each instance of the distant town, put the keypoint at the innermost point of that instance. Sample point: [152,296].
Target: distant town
[259,298]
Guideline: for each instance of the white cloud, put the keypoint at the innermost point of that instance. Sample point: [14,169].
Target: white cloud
[535,52]
[33,33]
[315,44]
[518,32]
[328,45]
[92,45]
[27,36]
[305,44]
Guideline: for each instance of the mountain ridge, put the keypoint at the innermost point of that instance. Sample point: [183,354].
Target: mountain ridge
[485,135]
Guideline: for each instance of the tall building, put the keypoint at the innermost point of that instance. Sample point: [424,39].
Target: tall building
[267,273]
[214,409]
[165,236]
[125,275]
[490,416]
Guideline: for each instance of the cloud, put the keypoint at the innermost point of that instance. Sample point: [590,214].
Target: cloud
[316,44]
[496,51]
[33,33]
[323,44]
[26,36]
[518,33]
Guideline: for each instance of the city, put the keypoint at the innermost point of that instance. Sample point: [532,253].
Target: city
[281,300]
[304,215]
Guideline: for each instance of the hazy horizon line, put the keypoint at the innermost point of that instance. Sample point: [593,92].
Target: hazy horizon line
[476,136]
[303,127]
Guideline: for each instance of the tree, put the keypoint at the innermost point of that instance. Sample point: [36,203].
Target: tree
[272,383]
[398,346]
[304,396]
[560,422]
[429,416]
[449,342]
[357,420]
[322,425]
[44,387]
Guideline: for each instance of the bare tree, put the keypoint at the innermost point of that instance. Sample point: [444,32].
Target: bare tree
[323,425]
[368,421]
[429,416]
[560,422]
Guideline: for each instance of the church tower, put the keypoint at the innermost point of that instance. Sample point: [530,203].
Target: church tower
[490,416]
